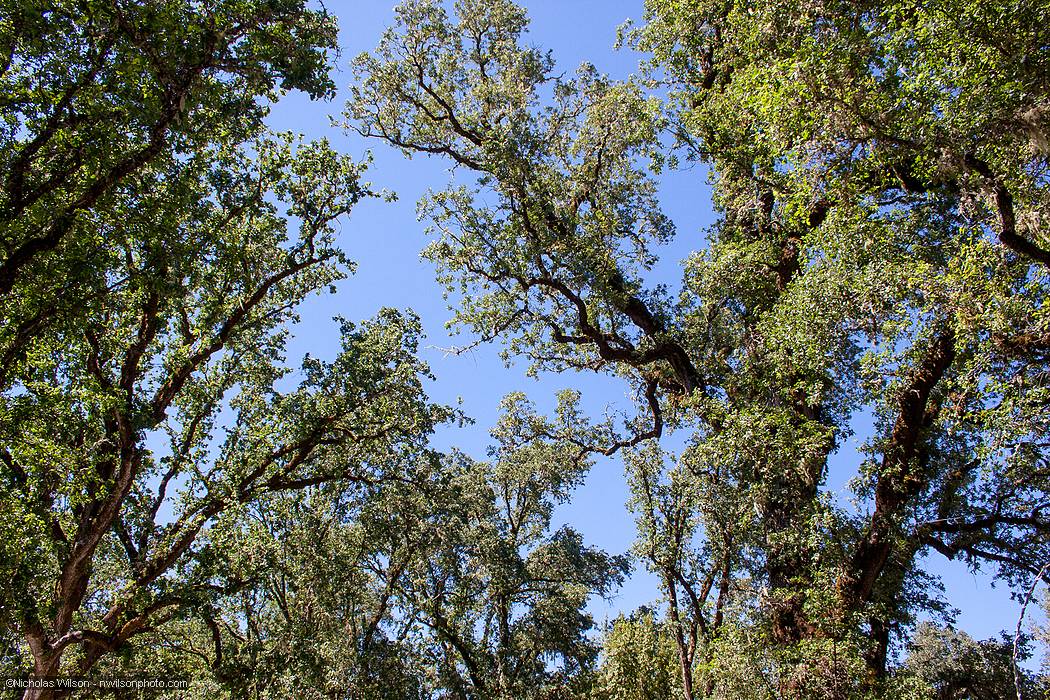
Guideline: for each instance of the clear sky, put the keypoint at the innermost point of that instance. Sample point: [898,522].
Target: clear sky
[385,240]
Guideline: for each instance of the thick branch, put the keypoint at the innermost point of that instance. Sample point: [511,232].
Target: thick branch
[900,477]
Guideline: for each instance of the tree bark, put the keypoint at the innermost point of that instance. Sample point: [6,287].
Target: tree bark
[901,477]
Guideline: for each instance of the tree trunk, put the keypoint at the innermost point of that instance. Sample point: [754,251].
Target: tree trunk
[685,660]
[46,664]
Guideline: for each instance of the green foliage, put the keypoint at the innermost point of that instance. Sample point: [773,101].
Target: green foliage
[96,92]
[501,595]
[175,498]
[573,214]
[880,175]
[157,242]
[954,665]
[163,399]
[446,581]
[640,660]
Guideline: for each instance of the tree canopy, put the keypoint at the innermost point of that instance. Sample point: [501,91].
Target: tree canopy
[177,499]
[880,174]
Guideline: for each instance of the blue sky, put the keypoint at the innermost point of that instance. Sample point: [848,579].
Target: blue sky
[385,240]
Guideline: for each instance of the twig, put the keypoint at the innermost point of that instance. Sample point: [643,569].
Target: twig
[1020,620]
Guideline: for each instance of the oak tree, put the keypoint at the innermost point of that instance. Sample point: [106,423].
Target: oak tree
[880,177]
